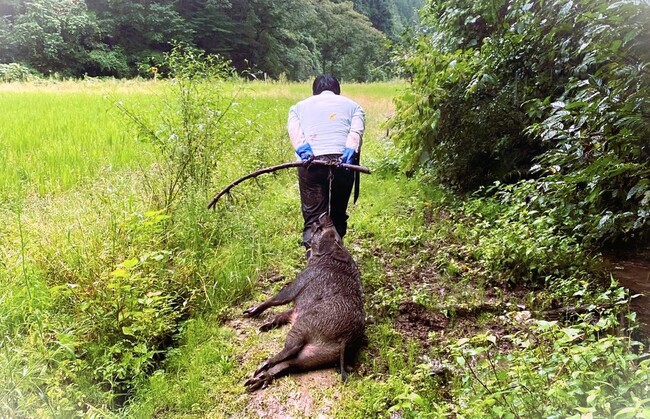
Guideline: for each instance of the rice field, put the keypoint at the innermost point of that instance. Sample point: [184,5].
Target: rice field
[54,136]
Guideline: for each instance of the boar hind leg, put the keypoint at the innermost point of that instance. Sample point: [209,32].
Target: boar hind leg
[289,351]
[277,321]
[264,378]
[273,367]
[311,357]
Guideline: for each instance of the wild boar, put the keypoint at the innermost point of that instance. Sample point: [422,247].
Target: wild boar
[327,318]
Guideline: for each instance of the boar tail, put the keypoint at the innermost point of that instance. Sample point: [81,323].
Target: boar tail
[344,374]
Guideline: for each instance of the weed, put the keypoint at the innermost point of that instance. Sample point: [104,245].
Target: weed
[568,368]
[187,131]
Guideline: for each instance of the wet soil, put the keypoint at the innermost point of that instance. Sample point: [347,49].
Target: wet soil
[417,322]
[480,311]
[632,270]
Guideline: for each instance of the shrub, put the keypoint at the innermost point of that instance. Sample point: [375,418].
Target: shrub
[187,128]
[13,72]
[553,370]
[497,87]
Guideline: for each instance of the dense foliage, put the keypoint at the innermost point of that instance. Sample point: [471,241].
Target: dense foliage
[264,37]
[557,91]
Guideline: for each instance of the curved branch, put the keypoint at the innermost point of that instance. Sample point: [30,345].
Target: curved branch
[271,169]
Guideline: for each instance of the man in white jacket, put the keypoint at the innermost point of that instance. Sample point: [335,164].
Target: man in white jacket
[329,127]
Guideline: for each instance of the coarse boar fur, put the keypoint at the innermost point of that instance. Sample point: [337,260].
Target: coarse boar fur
[327,318]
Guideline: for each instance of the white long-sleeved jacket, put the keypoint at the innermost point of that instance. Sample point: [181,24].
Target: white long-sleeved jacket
[328,122]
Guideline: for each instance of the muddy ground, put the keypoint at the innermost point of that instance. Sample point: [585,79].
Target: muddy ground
[632,270]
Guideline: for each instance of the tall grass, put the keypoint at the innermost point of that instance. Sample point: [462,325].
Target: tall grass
[113,306]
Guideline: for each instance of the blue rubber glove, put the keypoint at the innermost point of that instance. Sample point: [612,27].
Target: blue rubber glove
[305,152]
[348,155]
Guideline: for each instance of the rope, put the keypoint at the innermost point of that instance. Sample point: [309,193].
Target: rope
[330,177]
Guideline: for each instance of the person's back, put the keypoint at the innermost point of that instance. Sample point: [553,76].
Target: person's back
[326,121]
[329,127]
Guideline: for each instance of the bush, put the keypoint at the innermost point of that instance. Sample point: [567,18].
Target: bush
[105,62]
[13,72]
[552,370]
[187,129]
[497,87]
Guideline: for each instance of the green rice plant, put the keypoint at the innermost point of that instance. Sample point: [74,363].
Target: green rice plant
[51,140]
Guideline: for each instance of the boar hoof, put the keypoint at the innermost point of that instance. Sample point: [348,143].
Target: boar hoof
[252,312]
[265,365]
[268,326]
[257,382]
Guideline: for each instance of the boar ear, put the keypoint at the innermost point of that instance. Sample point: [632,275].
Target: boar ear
[341,255]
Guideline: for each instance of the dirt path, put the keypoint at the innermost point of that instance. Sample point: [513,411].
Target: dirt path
[314,394]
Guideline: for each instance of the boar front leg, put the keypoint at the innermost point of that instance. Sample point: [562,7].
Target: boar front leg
[277,321]
[285,296]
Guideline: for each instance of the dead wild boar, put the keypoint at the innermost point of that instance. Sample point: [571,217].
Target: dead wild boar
[327,317]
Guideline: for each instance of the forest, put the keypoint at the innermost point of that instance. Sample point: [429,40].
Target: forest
[502,236]
[271,38]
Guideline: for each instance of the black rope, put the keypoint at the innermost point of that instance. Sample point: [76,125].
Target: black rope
[330,177]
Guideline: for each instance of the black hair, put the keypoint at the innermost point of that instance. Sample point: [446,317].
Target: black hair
[326,82]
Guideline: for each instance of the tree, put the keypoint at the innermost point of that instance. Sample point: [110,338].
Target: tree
[348,44]
[123,38]
[138,32]
[53,35]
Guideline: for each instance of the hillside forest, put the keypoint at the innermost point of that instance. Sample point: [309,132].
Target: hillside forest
[265,38]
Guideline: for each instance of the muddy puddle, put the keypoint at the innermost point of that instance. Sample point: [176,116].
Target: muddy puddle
[633,272]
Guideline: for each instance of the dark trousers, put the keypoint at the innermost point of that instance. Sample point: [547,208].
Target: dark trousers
[315,195]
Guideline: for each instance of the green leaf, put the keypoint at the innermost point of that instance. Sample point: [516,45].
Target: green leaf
[576,105]
[120,273]
[129,263]
[543,324]
[572,333]
[626,412]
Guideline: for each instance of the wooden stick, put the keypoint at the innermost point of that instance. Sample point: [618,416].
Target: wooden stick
[271,169]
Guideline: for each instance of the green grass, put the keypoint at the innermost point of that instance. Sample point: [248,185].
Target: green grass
[75,209]
[52,139]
